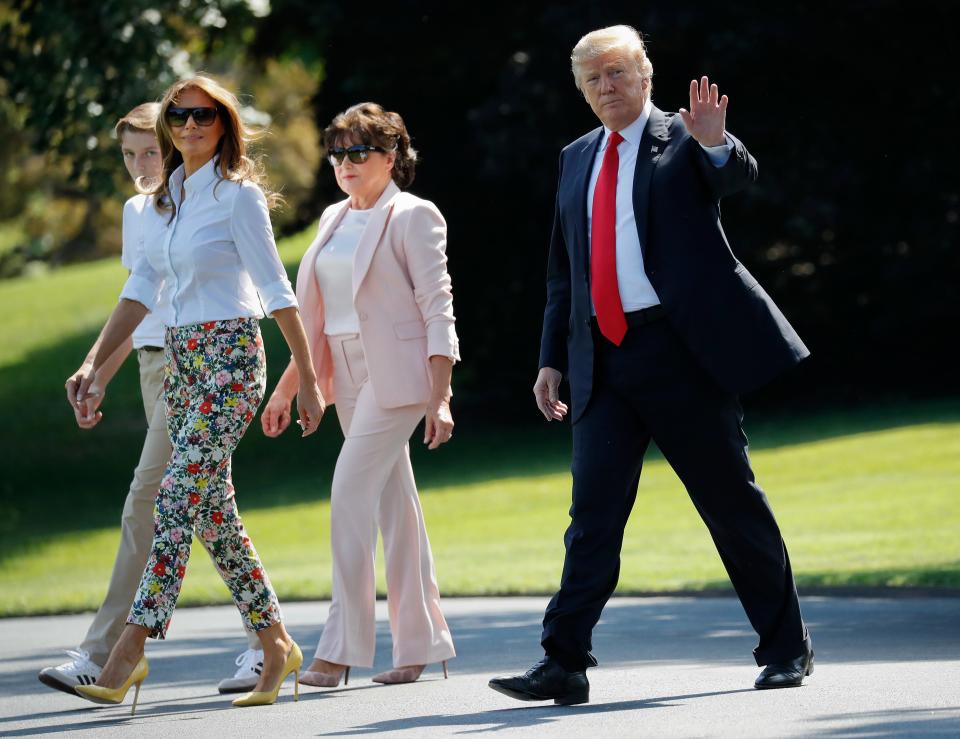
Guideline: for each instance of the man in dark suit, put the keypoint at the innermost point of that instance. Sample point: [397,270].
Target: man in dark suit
[658,328]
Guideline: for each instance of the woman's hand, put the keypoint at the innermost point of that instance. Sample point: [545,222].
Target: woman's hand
[438,426]
[310,407]
[85,394]
[439,423]
[73,384]
[310,403]
[276,415]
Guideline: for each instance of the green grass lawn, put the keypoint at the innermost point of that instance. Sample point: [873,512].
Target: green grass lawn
[864,497]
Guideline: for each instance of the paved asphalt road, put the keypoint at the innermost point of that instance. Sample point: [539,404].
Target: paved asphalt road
[669,667]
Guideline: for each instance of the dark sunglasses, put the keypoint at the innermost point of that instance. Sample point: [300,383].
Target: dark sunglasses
[178,117]
[357,154]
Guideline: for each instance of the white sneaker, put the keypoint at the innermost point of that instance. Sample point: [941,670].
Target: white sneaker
[249,665]
[80,670]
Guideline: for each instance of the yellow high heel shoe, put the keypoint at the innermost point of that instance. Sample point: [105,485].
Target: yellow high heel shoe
[100,694]
[266,697]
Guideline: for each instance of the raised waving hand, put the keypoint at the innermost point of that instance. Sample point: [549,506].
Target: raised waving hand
[707,117]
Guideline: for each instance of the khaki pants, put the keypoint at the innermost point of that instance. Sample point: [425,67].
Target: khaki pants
[373,487]
[136,524]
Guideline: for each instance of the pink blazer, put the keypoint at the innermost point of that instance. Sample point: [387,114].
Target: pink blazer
[401,292]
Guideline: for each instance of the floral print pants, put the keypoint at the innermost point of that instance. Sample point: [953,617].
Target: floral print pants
[214,381]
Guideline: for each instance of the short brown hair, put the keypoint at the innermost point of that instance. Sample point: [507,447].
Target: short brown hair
[142,119]
[369,123]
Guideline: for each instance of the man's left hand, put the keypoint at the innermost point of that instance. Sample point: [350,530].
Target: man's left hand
[706,120]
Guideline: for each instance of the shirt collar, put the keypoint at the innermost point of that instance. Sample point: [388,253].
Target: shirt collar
[632,133]
[195,182]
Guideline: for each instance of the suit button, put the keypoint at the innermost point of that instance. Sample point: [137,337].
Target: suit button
[362,316]
[586,321]
[651,272]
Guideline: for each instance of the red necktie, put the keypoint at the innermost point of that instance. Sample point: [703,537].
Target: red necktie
[604,288]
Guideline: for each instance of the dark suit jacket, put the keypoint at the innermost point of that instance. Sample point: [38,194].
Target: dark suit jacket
[717,307]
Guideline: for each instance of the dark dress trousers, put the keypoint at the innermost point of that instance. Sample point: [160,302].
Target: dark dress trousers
[675,381]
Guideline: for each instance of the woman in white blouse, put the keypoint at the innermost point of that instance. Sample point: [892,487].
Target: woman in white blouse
[208,245]
[378,309]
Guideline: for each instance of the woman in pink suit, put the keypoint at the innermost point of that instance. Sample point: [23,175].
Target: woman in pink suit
[378,310]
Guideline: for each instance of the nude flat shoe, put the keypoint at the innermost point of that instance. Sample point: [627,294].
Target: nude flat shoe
[325,679]
[400,675]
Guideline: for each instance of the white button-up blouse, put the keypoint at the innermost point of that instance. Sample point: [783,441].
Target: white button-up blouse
[216,259]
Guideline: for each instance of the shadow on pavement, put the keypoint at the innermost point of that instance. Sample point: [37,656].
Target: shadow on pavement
[903,722]
[500,637]
[514,718]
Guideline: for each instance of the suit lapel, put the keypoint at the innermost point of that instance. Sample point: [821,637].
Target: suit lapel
[308,291]
[652,144]
[371,235]
[306,274]
[581,184]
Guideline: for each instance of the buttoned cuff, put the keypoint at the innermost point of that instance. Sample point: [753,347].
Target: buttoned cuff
[442,340]
[277,295]
[141,290]
[718,155]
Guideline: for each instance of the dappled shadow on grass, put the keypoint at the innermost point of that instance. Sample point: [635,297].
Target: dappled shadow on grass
[60,479]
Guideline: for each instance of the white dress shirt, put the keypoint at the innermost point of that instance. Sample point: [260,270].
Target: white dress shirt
[150,330]
[216,258]
[334,270]
[636,292]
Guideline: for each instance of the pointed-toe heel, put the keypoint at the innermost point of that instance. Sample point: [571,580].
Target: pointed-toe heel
[401,675]
[325,679]
[268,697]
[115,696]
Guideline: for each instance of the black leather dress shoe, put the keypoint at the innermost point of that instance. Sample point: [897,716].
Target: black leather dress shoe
[544,681]
[787,674]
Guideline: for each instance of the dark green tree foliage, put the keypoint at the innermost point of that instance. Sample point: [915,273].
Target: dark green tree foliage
[852,226]
[73,68]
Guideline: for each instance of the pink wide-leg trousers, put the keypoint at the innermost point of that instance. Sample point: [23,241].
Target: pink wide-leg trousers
[373,486]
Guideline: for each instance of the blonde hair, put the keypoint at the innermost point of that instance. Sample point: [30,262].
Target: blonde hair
[233,165]
[142,119]
[612,38]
